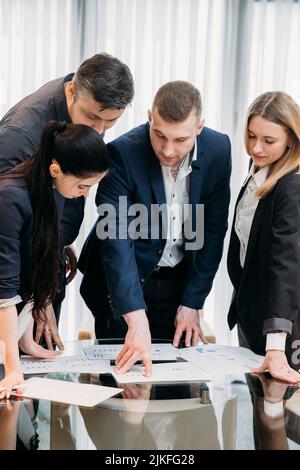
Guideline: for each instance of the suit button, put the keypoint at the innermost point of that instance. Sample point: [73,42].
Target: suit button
[142,280]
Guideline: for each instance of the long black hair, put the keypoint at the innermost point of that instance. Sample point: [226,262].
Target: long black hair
[80,151]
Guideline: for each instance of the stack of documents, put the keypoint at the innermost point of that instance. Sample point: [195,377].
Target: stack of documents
[195,363]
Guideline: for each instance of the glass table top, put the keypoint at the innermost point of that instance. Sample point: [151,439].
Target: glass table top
[230,412]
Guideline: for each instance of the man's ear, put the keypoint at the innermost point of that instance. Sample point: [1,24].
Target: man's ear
[200,126]
[149,115]
[54,169]
[70,90]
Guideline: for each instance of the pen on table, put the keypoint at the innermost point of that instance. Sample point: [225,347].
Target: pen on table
[15,387]
[158,361]
[13,391]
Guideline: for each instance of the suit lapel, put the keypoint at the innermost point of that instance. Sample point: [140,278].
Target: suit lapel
[155,172]
[237,201]
[156,179]
[196,177]
[256,224]
[236,272]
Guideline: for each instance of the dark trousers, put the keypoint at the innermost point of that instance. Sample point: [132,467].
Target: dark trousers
[162,294]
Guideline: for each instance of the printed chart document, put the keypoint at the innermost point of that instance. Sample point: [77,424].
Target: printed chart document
[219,360]
[67,392]
[79,364]
[173,372]
[160,352]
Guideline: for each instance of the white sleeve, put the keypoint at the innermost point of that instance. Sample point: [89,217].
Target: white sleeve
[4,303]
[274,410]
[276,341]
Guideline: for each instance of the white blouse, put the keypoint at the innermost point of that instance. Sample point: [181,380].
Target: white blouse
[246,208]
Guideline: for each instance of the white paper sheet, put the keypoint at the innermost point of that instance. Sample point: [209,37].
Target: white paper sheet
[160,351]
[79,364]
[67,392]
[172,372]
[220,360]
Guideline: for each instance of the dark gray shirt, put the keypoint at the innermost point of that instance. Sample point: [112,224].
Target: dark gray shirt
[20,133]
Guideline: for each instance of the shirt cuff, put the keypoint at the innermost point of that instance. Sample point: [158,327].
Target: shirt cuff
[4,303]
[276,341]
[274,410]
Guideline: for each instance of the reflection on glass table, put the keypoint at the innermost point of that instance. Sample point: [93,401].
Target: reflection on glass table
[18,426]
[272,402]
[147,416]
[228,413]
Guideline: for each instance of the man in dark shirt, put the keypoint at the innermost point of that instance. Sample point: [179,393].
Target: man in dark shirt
[96,95]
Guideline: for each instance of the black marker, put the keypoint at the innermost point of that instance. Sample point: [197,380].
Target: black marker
[113,362]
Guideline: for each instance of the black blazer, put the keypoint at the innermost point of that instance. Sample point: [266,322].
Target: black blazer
[16,224]
[267,290]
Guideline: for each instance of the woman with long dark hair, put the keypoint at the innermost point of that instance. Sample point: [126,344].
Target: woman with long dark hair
[71,159]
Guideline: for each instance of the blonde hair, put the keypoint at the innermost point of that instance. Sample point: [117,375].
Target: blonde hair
[280,108]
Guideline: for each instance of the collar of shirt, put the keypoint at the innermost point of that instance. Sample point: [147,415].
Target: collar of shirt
[185,167]
[193,154]
[258,177]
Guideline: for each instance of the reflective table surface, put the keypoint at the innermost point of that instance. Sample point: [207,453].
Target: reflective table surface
[230,412]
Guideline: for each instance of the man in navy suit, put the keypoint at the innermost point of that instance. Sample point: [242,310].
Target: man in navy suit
[151,258]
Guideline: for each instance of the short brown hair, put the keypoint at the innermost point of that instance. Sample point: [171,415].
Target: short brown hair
[175,101]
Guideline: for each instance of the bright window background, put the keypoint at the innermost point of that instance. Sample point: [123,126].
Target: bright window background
[232,50]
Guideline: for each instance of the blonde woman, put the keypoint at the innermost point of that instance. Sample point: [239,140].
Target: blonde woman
[264,251]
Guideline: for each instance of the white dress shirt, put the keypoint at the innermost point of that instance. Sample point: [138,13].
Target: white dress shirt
[244,217]
[4,303]
[177,194]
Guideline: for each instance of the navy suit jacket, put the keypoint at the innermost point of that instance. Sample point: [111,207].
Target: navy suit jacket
[125,264]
